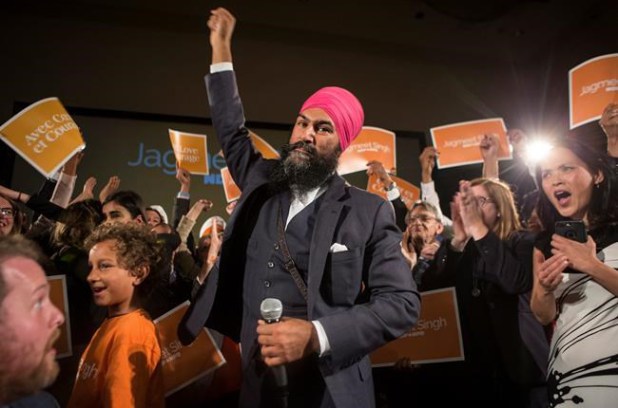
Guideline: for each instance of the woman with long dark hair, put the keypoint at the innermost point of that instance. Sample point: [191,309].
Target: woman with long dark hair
[576,283]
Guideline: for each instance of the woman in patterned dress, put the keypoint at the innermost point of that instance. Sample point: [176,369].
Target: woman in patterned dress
[576,283]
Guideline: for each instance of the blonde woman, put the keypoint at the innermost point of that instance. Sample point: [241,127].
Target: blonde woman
[489,263]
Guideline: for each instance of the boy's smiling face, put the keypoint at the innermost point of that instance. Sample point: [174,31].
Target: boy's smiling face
[112,285]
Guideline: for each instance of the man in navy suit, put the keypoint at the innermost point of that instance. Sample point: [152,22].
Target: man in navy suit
[330,252]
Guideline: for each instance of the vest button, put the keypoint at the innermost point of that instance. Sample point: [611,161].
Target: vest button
[276,246]
[267,284]
[271,264]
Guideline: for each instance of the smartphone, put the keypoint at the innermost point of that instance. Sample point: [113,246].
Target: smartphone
[575,230]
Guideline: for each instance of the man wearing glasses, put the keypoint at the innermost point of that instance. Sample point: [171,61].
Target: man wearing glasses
[423,245]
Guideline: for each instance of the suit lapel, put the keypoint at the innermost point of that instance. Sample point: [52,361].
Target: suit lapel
[322,238]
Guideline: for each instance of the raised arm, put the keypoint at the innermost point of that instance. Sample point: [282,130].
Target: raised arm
[393,195]
[182,201]
[427,160]
[489,151]
[110,188]
[221,24]
[609,124]
[225,105]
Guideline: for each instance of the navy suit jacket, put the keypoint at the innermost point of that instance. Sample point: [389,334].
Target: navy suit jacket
[363,297]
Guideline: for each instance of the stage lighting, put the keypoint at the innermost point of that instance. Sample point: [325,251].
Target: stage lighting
[536,149]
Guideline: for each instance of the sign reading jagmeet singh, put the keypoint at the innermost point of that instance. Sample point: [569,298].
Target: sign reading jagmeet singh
[458,143]
[44,134]
[371,144]
[593,84]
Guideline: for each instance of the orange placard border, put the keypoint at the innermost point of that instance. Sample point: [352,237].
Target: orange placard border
[375,128]
[571,124]
[205,373]
[195,135]
[394,141]
[268,146]
[227,195]
[461,356]
[67,319]
[26,158]
[433,140]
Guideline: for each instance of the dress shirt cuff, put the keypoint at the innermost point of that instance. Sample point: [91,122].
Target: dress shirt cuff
[428,188]
[182,194]
[221,66]
[322,338]
[393,194]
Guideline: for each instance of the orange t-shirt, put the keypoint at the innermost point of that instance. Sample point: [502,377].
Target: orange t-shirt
[121,367]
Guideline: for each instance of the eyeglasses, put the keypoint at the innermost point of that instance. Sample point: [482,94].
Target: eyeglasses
[7,212]
[422,218]
[483,200]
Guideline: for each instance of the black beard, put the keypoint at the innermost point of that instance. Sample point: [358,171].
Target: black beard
[303,176]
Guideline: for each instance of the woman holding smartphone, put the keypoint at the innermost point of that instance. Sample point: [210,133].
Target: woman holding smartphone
[576,283]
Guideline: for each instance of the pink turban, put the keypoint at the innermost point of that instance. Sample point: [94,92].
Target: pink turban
[344,110]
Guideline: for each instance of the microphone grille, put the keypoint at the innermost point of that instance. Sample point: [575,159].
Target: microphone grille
[271,309]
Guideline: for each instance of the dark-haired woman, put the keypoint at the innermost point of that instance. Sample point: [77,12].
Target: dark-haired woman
[576,283]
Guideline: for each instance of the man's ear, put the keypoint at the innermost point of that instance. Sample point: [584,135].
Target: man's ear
[142,272]
[139,219]
[439,228]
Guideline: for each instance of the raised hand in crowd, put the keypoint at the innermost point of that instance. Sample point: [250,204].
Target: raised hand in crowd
[489,147]
[429,249]
[14,195]
[393,195]
[609,124]
[470,211]
[518,140]
[70,167]
[197,208]
[184,178]
[213,252]
[427,160]
[376,168]
[221,24]
[110,188]
[187,222]
[87,191]
[63,190]
[459,238]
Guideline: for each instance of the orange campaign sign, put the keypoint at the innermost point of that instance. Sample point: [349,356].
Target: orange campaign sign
[231,190]
[58,296]
[593,85]
[371,144]
[262,146]
[458,143]
[44,135]
[182,365]
[190,151]
[435,338]
[409,192]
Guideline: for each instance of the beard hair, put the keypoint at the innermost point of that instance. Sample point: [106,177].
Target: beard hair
[306,175]
[27,382]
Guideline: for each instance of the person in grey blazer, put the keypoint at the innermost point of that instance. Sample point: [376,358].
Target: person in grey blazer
[329,251]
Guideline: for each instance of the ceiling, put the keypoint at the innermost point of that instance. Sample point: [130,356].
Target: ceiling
[428,29]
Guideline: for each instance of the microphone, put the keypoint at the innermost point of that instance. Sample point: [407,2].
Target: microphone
[271,310]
